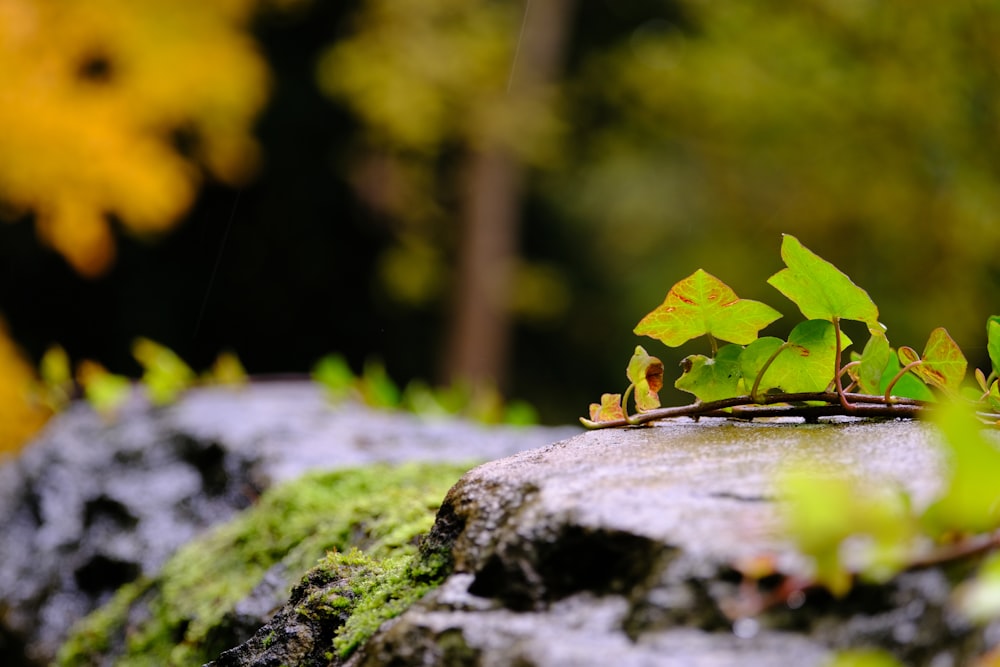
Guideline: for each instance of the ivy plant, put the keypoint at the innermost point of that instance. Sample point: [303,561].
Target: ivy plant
[746,375]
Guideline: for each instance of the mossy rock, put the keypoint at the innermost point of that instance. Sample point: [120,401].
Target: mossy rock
[344,545]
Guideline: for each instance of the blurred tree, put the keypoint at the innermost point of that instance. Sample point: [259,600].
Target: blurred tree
[467,77]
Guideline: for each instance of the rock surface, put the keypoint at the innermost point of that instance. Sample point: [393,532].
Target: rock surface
[93,504]
[619,546]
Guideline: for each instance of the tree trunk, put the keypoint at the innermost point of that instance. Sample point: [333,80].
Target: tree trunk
[478,341]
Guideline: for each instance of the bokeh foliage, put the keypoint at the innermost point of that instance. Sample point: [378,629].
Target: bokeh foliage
[678,134]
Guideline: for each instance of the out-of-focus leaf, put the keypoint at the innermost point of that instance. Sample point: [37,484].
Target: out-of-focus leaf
[228,370]
[165,375]
[821,290]
[646,375]
[971,501]
[712,379]
[979,598]
[863,658]
[377,388]
[57,378]
[105,391]
[848,527]
[702,304]
[335,375]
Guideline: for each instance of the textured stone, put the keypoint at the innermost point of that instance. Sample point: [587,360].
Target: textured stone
[619,546]
[96,503]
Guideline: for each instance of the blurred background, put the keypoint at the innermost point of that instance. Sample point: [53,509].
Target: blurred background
[485,191]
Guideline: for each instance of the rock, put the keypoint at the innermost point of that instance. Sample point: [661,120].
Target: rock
[94,504]
[623,547]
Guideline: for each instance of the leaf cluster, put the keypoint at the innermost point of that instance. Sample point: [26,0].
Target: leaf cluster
[374,387]
[806,375]
[850,530]
[164,377]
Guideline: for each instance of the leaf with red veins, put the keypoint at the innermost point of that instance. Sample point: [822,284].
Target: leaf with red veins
[702,304]
[608,410]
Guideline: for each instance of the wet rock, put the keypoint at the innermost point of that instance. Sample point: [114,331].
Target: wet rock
[622,547]
[94,504]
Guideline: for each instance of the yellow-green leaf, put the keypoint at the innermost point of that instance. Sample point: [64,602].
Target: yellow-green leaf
[702,304]
[971,502]
[165,374]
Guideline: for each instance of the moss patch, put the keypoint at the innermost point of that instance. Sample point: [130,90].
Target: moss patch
[365,520]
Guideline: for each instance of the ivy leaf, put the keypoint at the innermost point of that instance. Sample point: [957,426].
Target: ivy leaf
[846,526]
[993,341]
[646,374]
[712,379]
[608,410]
[971,503]
[874,360]
[702,304]
[943,364]
[165,375]
[821,290]
[104,391]
[805,365]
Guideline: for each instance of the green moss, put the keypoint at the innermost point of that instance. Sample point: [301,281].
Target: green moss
[366,520]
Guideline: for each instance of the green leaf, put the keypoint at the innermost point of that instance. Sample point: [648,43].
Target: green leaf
[874,360]
[805,365]
[712,379]
[993,341]
[942,364]
[971,502]
[821,290]
[702,304]
[609,409]
[165,374]
[335,375]
[646,374]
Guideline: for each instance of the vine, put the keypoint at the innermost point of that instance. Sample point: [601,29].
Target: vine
[805,375]
[851,530]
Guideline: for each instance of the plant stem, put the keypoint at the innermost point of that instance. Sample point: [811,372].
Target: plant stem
[836,368]
[861,405]
[899,376]
[763,369]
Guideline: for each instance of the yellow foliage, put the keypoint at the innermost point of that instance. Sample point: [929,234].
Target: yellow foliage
[94,96]
[21,414]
